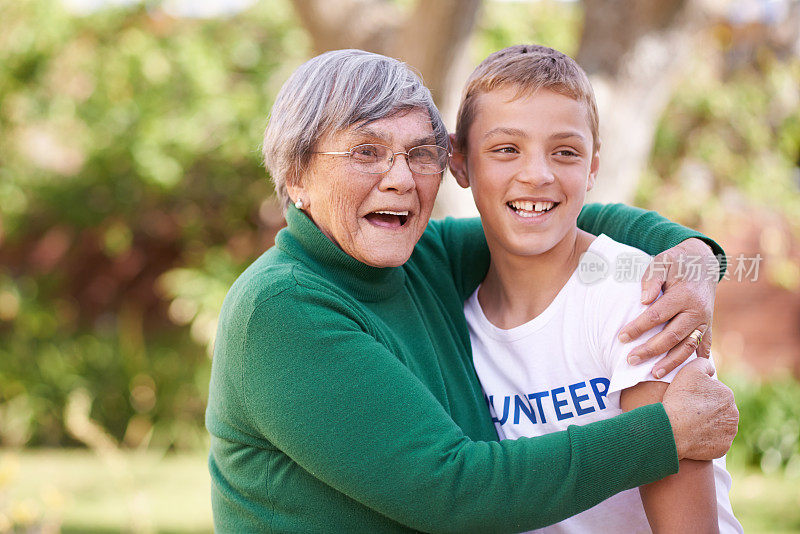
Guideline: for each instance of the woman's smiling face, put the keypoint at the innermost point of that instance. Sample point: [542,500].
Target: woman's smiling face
[530,160]
[350,207]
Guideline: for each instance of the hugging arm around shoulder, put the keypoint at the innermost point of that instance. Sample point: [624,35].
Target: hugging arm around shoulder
[636,227]
[342,406]
[639,228]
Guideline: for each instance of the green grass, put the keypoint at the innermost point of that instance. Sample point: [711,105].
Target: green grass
[766,504]
[133,492]
[148,492]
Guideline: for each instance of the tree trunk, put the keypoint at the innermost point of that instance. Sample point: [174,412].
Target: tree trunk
[633,51]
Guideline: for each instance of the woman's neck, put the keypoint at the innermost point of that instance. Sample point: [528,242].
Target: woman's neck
[518,288]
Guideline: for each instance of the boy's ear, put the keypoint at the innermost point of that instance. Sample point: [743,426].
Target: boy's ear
[594,167]
[458,165]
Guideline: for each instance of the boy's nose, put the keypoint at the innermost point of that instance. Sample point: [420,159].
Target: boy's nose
[536,171]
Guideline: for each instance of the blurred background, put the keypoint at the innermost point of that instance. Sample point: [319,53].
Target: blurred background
[132,195]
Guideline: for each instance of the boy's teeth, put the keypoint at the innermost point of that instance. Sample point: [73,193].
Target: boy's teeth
[527,205]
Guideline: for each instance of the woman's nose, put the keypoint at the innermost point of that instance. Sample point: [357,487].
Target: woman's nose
[399,177]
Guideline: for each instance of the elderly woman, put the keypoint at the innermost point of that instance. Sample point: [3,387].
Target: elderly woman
[343,396]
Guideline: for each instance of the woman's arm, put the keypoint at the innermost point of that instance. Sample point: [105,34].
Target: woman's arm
[350,413]
[683,502]
[643,229]
[688,300]
[304,373]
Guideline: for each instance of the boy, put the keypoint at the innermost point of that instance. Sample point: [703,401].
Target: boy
[544,322]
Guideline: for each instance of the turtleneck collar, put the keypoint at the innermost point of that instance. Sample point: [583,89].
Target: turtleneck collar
[302,240]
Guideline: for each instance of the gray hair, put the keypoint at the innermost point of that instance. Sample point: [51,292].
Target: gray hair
[331,92]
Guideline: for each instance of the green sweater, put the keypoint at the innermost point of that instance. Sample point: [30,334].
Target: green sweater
[343,397]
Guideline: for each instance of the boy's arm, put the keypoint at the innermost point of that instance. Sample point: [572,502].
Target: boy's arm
[685,501]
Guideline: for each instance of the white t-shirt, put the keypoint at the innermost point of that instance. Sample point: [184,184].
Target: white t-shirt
[566,367]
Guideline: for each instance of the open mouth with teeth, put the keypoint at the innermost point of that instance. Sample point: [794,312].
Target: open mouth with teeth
[529,208]
[387,219]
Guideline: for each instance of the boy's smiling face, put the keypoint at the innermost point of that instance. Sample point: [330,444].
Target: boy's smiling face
[530,161]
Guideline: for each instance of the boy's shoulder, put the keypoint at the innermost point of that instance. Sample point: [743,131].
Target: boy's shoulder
[612,272]
[613,299]
[609,263]
[606,245]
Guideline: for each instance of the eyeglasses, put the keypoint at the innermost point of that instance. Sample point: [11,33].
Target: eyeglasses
[378,159]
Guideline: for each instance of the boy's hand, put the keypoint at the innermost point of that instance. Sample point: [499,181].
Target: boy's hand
[687,274]
[702,412]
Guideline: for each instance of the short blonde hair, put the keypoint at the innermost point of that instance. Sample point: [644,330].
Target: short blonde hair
[527,68]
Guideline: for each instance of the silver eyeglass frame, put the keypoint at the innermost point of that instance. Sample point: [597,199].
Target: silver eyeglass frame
[392,159]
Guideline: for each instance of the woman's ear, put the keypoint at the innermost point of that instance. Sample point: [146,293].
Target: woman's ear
[296,192]
[458,165]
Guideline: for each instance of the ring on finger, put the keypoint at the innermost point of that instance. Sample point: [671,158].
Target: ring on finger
[697,335]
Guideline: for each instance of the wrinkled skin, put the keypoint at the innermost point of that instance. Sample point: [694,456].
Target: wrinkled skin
[701,411]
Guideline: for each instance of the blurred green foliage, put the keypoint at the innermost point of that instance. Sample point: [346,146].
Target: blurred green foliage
[769,423]
[730,138]
[549,23]
[131,193]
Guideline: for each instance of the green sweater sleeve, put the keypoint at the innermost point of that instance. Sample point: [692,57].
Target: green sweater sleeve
[350,413]
[645,230]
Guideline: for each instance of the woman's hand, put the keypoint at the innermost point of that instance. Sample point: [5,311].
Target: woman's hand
[702,412]
[687,274]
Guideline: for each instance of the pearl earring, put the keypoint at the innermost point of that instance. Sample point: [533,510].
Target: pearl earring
[298,204]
